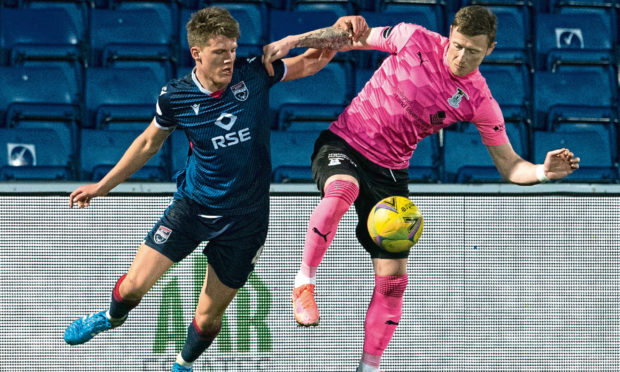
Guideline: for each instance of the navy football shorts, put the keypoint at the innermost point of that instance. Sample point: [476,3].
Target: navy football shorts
[332,155]
[234,242]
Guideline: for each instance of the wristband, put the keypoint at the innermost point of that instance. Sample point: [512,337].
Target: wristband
[540,173]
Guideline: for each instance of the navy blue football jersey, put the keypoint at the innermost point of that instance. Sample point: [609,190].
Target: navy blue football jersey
[229,167]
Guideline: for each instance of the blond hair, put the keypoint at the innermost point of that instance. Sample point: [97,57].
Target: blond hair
[211,22]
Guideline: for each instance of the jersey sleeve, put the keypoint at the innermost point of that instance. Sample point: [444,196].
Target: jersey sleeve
[490,123]
[279,68]
[164,117]
[392,39]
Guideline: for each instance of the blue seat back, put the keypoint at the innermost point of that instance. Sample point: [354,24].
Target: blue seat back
[585,93]
[567,39]
[100,150]
[510,86]
[121,94]
[290,155]
[38,91]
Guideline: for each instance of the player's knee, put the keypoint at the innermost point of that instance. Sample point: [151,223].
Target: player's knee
[132,289]
[345,190]
[392,286]
[209,326]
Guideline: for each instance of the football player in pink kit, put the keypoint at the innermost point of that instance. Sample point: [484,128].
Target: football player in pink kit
[427,83]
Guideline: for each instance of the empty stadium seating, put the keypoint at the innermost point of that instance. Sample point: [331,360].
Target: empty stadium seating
[568,39]
[88,76]
[292,166]
[593,149]
[132,37]
[102,149]
[466,159]
[584,94]
[122,98]
[424,164]
[33,154]
[315,99]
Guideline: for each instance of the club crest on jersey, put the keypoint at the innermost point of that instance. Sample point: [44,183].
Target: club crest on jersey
[162,234]
[455,100]
[240,91]
[196,108]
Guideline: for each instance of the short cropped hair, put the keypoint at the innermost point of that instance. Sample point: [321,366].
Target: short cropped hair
[476,20]
[211,22]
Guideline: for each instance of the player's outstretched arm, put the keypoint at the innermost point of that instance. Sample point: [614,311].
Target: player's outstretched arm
[345,34]
[143,148]
[558,164]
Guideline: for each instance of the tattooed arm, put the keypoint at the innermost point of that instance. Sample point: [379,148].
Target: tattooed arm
[347,33]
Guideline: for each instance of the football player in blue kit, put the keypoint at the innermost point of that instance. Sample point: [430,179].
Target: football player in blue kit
[223,193]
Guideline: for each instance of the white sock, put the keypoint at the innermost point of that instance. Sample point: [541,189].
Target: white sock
[183,362]
[366,368]
[301,279]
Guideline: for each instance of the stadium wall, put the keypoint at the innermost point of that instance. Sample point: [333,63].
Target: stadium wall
[503,278]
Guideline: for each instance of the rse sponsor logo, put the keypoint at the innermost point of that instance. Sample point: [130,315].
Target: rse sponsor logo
[226,121]
[231,139]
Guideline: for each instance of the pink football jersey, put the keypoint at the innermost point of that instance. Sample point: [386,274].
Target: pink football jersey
[413,95]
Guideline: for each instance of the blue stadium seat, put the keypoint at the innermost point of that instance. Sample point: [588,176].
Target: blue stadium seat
[467,160]
[430,12]
[513,37]
[252,18]
[290,155]
[38,92]
[168,10]
[77,10]
[510,86]
[33,154]
[424,164]
[185,58]
[605,8]
[583,94]
[179,147]
[55,40]
[284,23]
[340,8]
[596,161]
[132,37]
[317,98]
[566,39]
[121,97]
[604,130]
[518,134]
[362,76]
[100,150]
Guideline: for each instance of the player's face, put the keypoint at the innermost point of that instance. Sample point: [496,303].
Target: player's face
[465,53]
[214,62]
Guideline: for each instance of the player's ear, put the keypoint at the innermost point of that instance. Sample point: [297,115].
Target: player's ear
[491,48]
[195,52]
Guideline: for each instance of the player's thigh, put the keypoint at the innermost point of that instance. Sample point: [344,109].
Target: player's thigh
[377,183]
[147,267]
[234,253]
[333,160]
[215,296]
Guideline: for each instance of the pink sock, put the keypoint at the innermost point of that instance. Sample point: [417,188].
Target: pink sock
[383,315]
[339,195]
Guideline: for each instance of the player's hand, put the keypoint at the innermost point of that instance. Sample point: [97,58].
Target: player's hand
[560,163]
[355,25]
[274,51]
[84,194]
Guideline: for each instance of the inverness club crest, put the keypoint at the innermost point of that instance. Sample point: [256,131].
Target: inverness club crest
[240,91]
[455,100]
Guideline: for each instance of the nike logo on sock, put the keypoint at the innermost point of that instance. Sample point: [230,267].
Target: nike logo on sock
[391,322]
[324,236]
